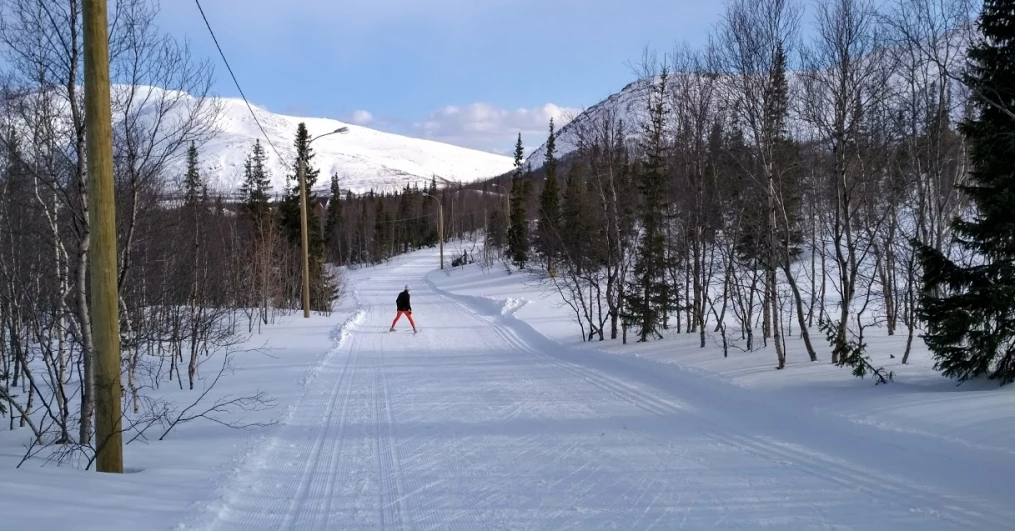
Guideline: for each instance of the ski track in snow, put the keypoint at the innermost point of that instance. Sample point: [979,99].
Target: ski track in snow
[480,423]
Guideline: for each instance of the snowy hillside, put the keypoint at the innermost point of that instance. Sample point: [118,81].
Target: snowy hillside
[363,158]
[164,121]
[629,105]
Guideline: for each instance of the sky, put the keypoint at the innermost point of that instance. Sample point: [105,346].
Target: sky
[473,73]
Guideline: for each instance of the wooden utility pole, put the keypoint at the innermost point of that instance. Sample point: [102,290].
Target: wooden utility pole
[303,230]
[304,234]
[440,224]
[102,219]
[440,229]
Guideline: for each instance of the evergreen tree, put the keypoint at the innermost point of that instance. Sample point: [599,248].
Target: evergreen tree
[762,237]
[575,225]
[333,224]
[496,229]
[548,230]
[194,203]
[649,293]
[404,239]
[256,188]
[193,187]
[289,208]
[518,230]
[519,156]
[15,169]
[322,291]
[358,252]
[970,310]
[382,226]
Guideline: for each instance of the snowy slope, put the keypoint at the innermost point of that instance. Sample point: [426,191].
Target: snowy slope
[493,417]
[364,158]
[629,105]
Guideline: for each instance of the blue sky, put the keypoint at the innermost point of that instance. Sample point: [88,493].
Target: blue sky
[469,72]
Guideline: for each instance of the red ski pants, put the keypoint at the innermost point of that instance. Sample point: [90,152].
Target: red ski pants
[407,314]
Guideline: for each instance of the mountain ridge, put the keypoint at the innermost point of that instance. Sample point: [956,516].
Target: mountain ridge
[630,103]
[364,158]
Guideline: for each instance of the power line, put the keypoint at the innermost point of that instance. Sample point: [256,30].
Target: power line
[235,81]
[415,218]
[400,220]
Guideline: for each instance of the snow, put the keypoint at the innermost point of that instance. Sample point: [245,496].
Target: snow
[496,416]
[363,158]
[629,105]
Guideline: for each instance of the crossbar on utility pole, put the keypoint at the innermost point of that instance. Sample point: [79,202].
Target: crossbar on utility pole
[102,221]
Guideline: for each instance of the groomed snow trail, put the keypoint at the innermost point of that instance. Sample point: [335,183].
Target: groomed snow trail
[479,423]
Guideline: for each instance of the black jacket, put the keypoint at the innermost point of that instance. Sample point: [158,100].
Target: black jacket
[403,302]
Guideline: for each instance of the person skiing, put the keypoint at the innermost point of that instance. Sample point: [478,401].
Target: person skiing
[404,307]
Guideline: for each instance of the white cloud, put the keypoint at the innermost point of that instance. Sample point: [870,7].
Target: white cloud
[484,126]
[361,117]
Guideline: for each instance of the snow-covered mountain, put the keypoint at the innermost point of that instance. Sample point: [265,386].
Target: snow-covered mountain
[363,158]
[630,103]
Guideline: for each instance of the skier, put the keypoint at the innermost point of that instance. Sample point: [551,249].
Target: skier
[404,308]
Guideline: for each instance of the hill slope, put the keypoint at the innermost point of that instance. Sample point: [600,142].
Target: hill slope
[363,158]
[629,105]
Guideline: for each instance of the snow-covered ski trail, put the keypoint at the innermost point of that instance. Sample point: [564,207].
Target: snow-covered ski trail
[484,424]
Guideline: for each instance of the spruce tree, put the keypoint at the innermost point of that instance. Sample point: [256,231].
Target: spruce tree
[194,202]
[359,253]
[322,292]
[518,230]
[289,209]
[333,224]
[404,236]
[648,293]
[255,192]
[574,225]
[548,230]
[382,236]
[496,229]
[969,310]
[193,187]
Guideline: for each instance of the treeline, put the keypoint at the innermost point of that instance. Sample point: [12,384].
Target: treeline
[772,187]
[372,227]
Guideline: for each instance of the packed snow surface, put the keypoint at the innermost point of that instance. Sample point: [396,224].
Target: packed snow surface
[494,417]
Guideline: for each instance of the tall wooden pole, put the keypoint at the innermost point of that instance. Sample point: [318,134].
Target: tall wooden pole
[440,224]
[102,219]
[306,244]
